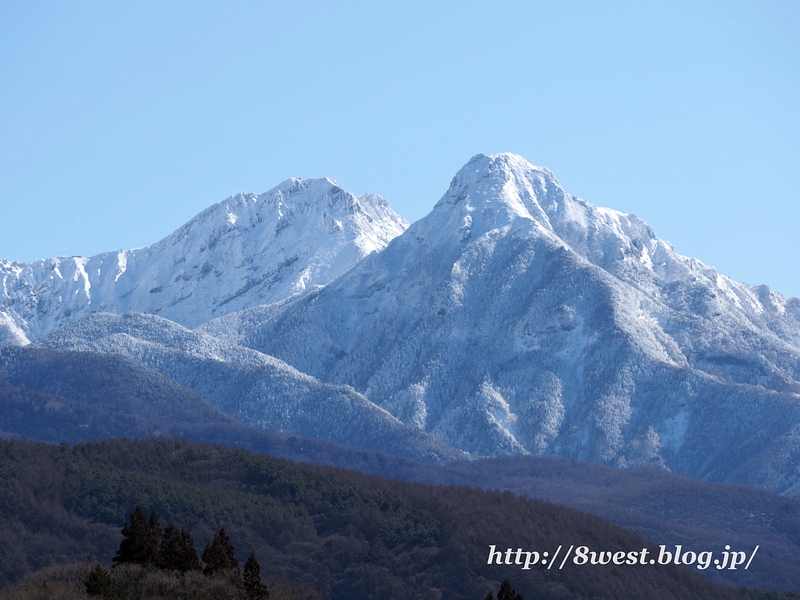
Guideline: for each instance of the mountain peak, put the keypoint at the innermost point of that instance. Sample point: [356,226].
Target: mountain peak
[490,173]
[494,191]
[294,187]
[244,251]
[308,195]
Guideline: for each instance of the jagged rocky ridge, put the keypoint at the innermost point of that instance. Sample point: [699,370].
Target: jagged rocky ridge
[245,251]
[516,318]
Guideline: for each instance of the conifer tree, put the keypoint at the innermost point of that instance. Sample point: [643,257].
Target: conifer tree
[177,551]
[507,592]
[140,543]
[155,527]
[254,589]
[219,555]
[97,581]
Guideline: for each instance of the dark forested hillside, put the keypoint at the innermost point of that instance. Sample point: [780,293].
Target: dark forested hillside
[346,534]
[664,507]
[55,395]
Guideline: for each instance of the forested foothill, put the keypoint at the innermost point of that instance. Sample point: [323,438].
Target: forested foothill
[662,506]
[75,396]
[342,533]
[78,396]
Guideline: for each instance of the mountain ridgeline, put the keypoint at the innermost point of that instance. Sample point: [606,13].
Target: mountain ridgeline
[245,251]
[513,319]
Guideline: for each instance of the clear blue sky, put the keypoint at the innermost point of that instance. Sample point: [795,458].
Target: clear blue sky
[119,121]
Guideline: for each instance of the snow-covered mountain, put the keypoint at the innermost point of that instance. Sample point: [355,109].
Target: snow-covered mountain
[517,318]
[258,390]
[245,251]
[514,318]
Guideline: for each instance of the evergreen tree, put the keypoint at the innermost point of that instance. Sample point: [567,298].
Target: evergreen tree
[489,595]
[507,592]
[140,543]
[155,527]
[254,589]
[97,581]
[219,555]
[177,551]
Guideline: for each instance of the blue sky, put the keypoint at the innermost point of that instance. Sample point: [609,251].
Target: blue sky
[119,121]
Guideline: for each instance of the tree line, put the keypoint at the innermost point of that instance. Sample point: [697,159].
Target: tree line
[145,543]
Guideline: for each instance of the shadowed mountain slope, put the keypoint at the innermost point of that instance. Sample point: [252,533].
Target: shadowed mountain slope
[256,389]
[54,395]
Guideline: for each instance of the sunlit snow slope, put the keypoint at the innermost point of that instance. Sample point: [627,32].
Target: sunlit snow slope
[245,251]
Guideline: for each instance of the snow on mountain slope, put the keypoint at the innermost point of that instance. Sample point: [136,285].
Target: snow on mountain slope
[256,389]
[689,301]
[10,334]
[245,251]
[517,318]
